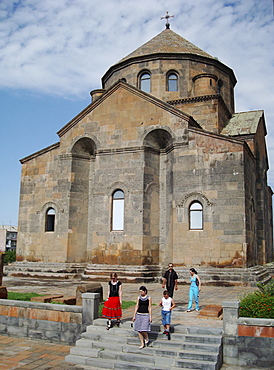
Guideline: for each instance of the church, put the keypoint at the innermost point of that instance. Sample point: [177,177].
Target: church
[158,168]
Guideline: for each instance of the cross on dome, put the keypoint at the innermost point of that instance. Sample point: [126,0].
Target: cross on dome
[167,16]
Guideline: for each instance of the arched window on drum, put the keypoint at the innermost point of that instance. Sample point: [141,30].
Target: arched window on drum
[172,82]
[118,208]
[196,216]
[144,82]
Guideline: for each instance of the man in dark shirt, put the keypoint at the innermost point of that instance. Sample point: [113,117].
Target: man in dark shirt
[170,280]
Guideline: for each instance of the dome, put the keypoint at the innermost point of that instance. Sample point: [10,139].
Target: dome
[166,42]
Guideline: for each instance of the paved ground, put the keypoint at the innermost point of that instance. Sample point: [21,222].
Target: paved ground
[33,354]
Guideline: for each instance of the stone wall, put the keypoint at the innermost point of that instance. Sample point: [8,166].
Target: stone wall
[46,321]
[247,342]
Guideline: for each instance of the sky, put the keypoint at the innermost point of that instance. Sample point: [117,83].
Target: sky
[53,53]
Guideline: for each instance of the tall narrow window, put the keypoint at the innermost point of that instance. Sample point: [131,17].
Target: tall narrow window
[219,86]
[145,82]
[172,82]
[50,220]
[118,204]
[196,216]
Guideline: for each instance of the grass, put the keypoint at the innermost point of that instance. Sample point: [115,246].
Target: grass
[22,296]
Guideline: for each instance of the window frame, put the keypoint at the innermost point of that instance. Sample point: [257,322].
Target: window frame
[50,220]
[141,80]
[194,213]
[168,79]
[117,206]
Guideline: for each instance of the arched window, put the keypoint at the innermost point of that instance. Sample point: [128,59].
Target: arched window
[196,216]
[118,205]
[50,220]
[172,82]
[145,82]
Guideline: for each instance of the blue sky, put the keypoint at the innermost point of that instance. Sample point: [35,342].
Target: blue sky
[53,53]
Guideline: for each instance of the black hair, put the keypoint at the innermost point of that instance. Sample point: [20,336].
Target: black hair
[143,288]
[193,270]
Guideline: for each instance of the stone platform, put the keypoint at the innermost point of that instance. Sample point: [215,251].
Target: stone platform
[139,274]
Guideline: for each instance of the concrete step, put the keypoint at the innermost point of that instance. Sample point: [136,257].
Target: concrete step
[44,270]
[179,329]
[122,277]
[118,348]
[113,364]
[99,333]
[178,345]
[138,274]
[128,274]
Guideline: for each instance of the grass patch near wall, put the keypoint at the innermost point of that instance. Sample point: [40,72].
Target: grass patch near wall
[125,305]
[259,304]
[22,296]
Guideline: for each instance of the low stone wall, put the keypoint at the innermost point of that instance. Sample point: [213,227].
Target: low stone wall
[50,322]
[247,342]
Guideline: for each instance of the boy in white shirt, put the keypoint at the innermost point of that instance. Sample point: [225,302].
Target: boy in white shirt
[167,303]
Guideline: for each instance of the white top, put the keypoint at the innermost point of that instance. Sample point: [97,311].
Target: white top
[166,303]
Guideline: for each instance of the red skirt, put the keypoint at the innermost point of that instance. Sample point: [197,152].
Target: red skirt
[112,308]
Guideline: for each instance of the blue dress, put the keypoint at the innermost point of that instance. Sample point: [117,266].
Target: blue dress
[193,293]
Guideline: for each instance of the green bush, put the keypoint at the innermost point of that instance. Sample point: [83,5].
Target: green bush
[267,289]
[10,256]
[259,304]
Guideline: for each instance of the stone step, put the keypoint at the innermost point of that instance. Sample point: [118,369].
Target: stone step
[138,274]
[112,364]
[118,348]
[144,356]
[178,345]
[124,278]
[203,347]
[44,275]
[44,270]
[178,338]
[100,322]
[197,364]
[128,274]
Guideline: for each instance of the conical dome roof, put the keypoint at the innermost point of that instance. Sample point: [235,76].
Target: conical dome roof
[166,42]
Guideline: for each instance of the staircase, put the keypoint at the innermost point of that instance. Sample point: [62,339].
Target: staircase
[126,273]
[118,348]
[45,270]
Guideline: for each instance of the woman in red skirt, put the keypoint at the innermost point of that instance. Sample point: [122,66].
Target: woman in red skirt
[113,305]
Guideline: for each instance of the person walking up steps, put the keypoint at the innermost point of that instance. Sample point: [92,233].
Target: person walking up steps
[167,304]
[113,305]
[142,316]
[194,289]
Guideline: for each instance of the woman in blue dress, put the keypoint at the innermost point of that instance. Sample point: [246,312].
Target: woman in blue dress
[195,288]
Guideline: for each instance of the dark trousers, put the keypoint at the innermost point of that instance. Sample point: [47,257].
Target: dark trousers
[170,290]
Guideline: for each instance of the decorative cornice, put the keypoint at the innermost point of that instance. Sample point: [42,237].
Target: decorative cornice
[194,99]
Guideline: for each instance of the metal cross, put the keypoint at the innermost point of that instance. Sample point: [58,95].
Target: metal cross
[167,16]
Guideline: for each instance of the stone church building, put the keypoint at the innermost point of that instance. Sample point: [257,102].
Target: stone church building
[158,168]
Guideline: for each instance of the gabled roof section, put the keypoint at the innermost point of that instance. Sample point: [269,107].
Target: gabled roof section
[40,152]
[133,90]
[167,42]
[243,123]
